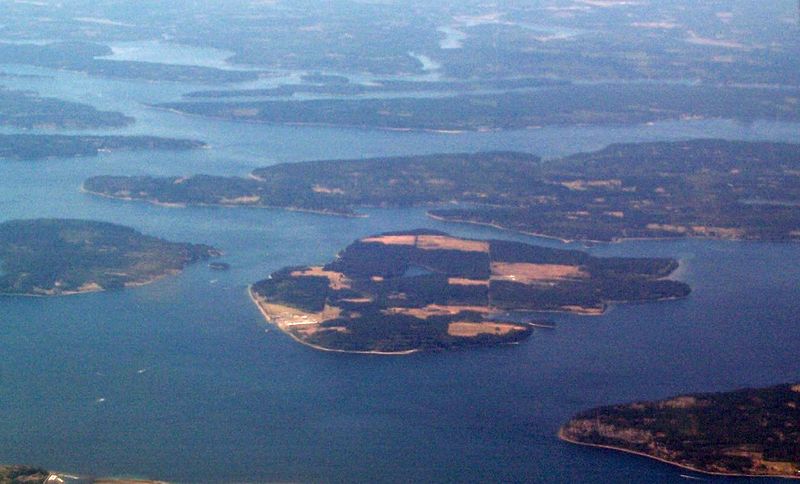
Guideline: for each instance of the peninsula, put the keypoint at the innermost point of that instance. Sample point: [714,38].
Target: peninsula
[590,104]
[402,292]
[752,432]
[57,257]
[699,188]
[34,146]
[28,110]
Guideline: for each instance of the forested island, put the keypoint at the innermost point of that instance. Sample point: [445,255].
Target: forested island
[25,109]
[33,146]
[752,432]
[56,257]
[699,188]
[595,104]
[87,57]
[408,291]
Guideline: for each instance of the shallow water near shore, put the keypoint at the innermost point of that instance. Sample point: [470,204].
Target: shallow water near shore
[183,380]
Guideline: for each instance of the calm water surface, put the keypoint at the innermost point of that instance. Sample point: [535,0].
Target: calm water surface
[183,380]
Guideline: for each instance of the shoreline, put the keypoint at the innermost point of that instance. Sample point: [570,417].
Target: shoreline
[564,438]
[507,229]
[266,316]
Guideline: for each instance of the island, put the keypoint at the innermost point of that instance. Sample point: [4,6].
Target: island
[58,257]
[750,432]
[28,110]
[402,292]
[699,188]
[579,104]
[34,146]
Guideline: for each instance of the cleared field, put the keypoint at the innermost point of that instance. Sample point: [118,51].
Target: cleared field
[471,330]
[426,312]
[441,242]
[587,311]
[358,300]
[286,316]
[459,281]
[431,242]
[337,279]
[391,240]
[526,273]
[330,191]
[293,320]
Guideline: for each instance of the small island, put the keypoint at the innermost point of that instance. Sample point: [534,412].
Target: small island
[751,432]
[402,292]
[702,188]
[58,257]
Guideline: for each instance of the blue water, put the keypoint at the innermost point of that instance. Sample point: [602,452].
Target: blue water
[183,380]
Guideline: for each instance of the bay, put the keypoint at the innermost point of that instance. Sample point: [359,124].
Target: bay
[183,380]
